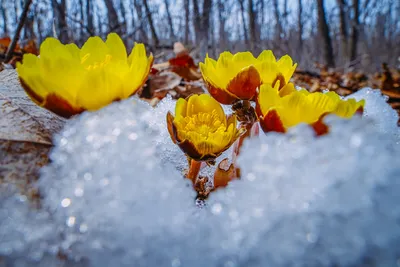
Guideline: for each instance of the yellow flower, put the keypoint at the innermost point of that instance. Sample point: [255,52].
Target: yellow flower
[238,76]
[200,127]
[279,112]
[68,80]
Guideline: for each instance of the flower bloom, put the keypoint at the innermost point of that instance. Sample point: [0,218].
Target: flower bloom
[279,110]
[67,80]
[200,127]
[238,76]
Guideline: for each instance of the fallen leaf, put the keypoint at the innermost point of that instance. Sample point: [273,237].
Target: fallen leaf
[26,132]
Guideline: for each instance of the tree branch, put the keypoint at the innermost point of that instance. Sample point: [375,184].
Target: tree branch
[18,31]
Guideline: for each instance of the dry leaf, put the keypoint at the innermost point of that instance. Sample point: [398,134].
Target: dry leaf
[26,132]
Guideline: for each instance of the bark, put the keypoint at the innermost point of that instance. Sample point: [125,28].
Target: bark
[205,25]
[170,22]
[324,34]
[222,21]
[82,19]
[252,26]
[151,24]
[202,24]
[343,27]
[139,12]
[187,20]
[5,18]
[21,23]
[278,25]
[354,30]
[112,15]
[123,16]
[300,25]
[59,10]
[241,3]
[196,20]
[89,17]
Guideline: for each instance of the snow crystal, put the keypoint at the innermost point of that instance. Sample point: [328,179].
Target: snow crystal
[376,107]
[116,193]
[27,236]
[115,196]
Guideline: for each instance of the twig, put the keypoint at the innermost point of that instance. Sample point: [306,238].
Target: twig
[18,31]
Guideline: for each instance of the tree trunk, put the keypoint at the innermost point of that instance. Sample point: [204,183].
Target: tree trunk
[139,12]
[300,26]
[343,28]
[151,24]
[170,22]
[5,18]
[354,30]
[124,25]
[196,20]
[246,39]
[252,26]
[278,26]
[59,11]
[204,27]
[186,4]
[222,21]
[89,17]
[113,23]
[324,33]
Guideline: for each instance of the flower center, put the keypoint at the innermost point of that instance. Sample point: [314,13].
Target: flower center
[202,124]
[95,65]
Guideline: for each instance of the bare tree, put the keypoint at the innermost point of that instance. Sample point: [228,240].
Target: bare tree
[186,4]
[245,36]
[169,18]
[252,26]
[343,27]
[112,16]
[4,15]
[151,24]
[300,26]
[354,30]
[60,11]
[278,25]
[222,22]
[324,33]
[89,17]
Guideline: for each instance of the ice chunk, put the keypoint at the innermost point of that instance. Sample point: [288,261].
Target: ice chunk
[115,198]
[27,236]
[330,201]
[377,108]
[115,193]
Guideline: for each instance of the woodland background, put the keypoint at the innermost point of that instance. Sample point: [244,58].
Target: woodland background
[341,34]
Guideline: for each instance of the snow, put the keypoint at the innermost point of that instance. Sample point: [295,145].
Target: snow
[114,195]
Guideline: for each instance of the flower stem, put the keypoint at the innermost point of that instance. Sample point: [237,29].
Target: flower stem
[241,139]
[194,169]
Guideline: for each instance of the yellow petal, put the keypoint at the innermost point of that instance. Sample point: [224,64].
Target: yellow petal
[139,68]
[74,51]
[209,74]
[180,108]
[100,88]
[242,60]
[268,97]
[94,51]
[286,67]
[204,103]
[266,56]
[116,47]
[346,109]
[287,90]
